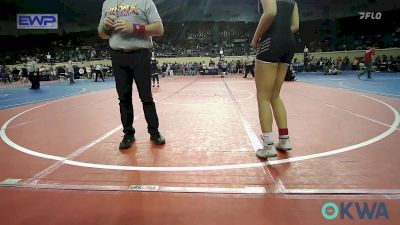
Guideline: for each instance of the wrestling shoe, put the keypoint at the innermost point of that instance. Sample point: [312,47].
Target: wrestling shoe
[284,144]
[267,151]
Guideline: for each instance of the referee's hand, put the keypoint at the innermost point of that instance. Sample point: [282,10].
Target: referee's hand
[109,22]
[124,26]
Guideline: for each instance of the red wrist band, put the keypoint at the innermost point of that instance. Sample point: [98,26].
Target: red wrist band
[139,29]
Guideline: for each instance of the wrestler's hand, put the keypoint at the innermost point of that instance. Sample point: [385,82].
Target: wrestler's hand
[254,43]
[109,21]
[124,26]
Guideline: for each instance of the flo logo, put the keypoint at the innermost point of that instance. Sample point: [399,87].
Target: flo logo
[370,15]
[355,210]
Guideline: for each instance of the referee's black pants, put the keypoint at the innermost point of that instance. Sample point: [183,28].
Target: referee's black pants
[35,80]
[129,67]
[98,74]
[31,79]
[249,69]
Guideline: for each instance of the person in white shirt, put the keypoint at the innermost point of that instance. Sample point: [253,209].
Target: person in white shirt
[88,72]
[98,72]
[33,73]
[71,72]
[168,71]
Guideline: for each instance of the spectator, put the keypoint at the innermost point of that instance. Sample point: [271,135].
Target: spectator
[4,74]
[368,59]
[24,74]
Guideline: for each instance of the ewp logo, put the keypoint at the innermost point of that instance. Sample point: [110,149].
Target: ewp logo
[37,21]
[370,15]
[376,210]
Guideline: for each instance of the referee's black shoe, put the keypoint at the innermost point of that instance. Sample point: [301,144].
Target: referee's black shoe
[158,139]
[127,141]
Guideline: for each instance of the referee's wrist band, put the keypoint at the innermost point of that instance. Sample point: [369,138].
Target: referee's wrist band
[139,29]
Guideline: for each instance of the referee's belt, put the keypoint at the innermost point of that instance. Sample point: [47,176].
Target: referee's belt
[130,50]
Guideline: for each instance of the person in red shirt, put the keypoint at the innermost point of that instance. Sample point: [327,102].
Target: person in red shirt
[368,60]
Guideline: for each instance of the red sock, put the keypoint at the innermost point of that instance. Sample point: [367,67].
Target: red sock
[283,132]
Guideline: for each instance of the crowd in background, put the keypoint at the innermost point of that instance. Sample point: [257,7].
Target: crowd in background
[381,63]
[200,39]
[206,39]
[195,68]
[9,74]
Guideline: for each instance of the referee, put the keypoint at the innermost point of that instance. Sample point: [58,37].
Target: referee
[31,66]
[129,26]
